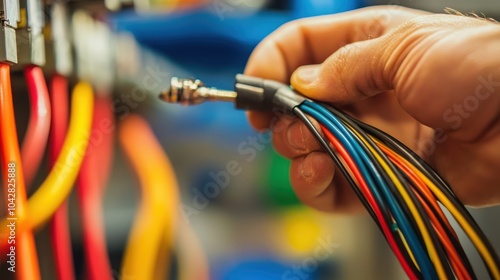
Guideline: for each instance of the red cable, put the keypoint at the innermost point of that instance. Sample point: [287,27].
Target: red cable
[371,200]
[35,140]
[59,227]
[90,189]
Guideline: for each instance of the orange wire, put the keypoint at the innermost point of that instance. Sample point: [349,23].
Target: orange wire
[26,256]
[156,221]
[456,263]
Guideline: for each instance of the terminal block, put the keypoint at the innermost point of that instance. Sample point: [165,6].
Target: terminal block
[30,39]
[9,16]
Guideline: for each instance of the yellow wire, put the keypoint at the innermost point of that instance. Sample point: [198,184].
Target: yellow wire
[59,183]
[157,216]
[413,209]
[476,240]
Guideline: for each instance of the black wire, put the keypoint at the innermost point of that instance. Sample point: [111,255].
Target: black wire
[435,240]
[425,168]
[302,116]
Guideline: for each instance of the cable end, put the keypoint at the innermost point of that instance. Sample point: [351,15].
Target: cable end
[191,92]
[181,91]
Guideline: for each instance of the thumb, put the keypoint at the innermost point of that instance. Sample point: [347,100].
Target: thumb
[354,72]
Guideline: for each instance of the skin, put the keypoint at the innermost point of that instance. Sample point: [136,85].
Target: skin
[423,78]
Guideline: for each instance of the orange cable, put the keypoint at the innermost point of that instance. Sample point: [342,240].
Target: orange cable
[25,250]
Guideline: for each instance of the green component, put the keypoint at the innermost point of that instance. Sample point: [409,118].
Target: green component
[279,189]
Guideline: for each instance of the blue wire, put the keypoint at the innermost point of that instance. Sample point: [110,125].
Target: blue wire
[333,124]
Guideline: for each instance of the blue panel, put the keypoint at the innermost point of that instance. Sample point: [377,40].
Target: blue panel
[309,8]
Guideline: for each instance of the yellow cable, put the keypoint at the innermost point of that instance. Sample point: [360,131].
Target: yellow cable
[59,183]
[157,215]
[413,209]
[476,240]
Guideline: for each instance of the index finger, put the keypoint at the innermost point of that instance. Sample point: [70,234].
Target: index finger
[312,40]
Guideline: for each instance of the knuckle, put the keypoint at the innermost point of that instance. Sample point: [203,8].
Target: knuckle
[337,67]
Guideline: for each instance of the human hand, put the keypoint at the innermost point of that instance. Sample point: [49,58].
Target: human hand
[430,80]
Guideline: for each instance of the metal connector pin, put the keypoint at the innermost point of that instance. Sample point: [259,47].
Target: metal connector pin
[191,92]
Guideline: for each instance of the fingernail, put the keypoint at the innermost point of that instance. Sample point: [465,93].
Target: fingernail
[307,74]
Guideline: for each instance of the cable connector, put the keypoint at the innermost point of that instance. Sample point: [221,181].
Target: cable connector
[8,49]
[250,93]
[191,92]
[9,16]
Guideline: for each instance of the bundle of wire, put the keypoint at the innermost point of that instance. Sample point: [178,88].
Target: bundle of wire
[400,191]
[402,194]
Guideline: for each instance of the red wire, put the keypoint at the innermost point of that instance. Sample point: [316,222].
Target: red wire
[35,140]
[59,227]
[371,200]
[90,189]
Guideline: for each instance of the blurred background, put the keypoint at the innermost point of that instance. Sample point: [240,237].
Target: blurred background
[252,226]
